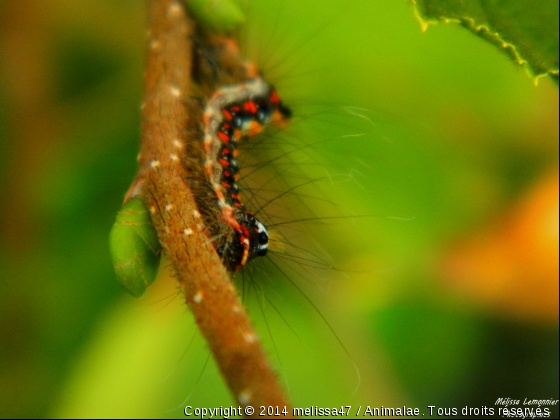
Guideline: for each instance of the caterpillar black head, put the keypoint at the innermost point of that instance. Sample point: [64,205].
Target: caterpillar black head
[248,241]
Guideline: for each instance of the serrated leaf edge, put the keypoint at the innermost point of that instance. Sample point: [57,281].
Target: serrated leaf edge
[426,22]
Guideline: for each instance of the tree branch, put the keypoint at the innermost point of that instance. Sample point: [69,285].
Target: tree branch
[170,126]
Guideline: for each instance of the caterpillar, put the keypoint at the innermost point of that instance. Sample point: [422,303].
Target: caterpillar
[232,113]
[237,103]
[239,228]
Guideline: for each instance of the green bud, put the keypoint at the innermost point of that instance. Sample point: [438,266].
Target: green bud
[217,15]
[134,247]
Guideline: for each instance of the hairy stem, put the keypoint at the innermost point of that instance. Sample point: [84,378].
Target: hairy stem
[170,119]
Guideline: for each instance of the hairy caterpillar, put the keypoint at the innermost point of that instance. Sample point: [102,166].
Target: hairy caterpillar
[268,196]
[232,113]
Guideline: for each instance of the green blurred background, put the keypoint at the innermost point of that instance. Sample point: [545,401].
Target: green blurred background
[447,295]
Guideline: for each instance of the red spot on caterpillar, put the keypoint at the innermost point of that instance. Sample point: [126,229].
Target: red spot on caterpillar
[225,151]
[223,136]
[250,107]
[274,98]
[226,185]
[224,162]
[226,113]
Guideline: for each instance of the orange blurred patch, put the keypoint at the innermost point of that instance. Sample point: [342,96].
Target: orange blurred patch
[513,267]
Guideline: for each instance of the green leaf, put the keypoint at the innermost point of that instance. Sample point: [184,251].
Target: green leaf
[134,247]
[526,30]
[217,15]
